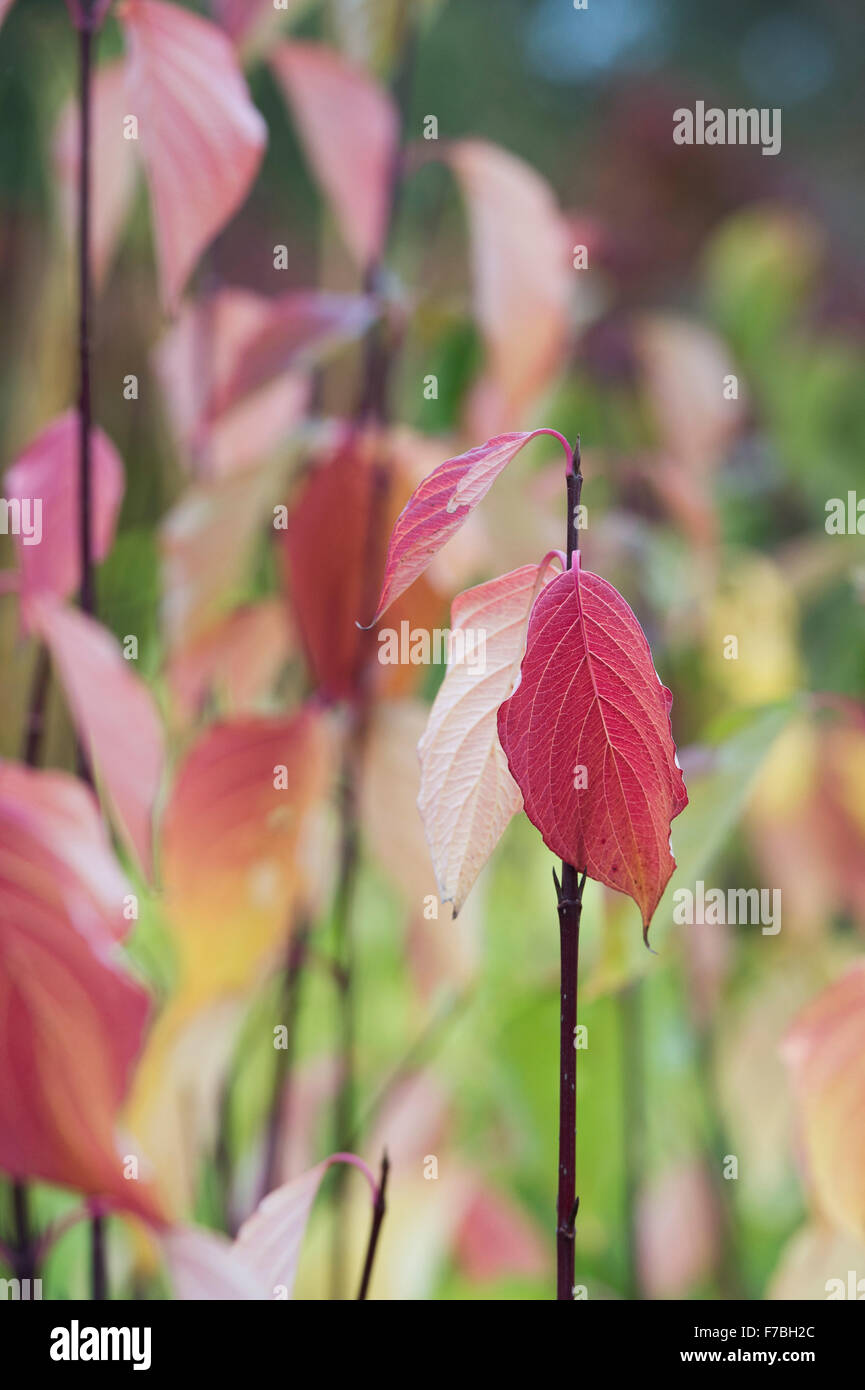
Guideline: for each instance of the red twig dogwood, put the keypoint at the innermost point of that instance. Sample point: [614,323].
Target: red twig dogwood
[569,721]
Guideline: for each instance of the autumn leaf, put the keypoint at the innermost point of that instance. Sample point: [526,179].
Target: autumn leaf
[350,129]
[330,586]
[233,844]
[467,794]
[521,272]
[115,716]
[588,741]
[238,658]
[48,472]
[197,359]
[262,1262]
[201,137]
[72,1016]
[294,331]
[440,505]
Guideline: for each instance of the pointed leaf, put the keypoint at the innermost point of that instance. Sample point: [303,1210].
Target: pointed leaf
[350,129]
[589,708]
[467,794]
[115,716]
[440,505]
[47,471]
[71,1018]
[201,138]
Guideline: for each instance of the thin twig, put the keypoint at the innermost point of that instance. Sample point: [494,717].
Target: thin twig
[378,1212]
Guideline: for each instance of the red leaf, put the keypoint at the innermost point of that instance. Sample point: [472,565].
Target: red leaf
[331,583]
[589,698]
[115,716]
[350,129]
[438,508]
[71,1019]
[48,471]
[201,137]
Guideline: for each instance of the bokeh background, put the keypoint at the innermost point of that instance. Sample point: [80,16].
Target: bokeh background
[708,513]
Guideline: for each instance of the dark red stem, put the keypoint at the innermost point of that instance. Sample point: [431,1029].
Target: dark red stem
[378,1212]
[569,894]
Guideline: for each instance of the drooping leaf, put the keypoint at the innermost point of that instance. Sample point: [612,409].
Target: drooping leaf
[824,1051]
[201,138]
[522,276]
[440,505]
[115,716]
[262,1261]
[588,740]
[71,1017]
[467,794]
[114,164]
[350,129]
[47,473]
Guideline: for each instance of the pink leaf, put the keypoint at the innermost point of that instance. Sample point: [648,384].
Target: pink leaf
[522,279]
[263,1261]
[199,358]
[238,658]
[115,716]
[350,129]
[440,505]
[114,164]
[294,331]
[588,740]
[72,1018]
[47,473]
[467,794]
[201,137]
